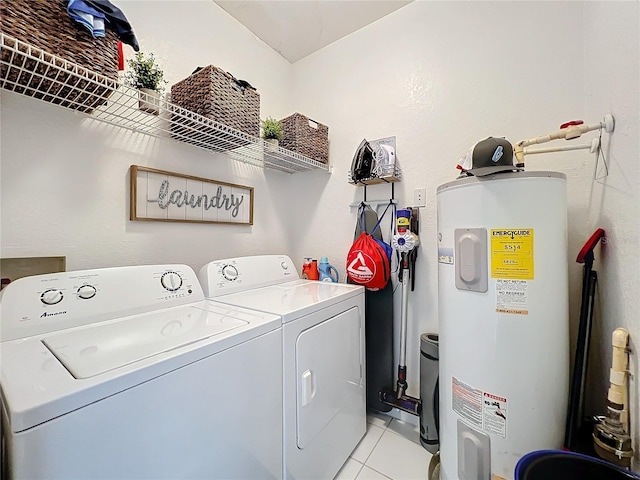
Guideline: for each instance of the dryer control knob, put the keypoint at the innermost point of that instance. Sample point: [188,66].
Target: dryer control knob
[51,296]
[86,292]
[284,266]
[172,281]
[229,272]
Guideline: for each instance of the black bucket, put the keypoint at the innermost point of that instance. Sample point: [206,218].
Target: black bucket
[561,465]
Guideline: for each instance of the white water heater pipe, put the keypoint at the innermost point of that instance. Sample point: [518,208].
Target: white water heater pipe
[618,374]
[503,315]
[611,439]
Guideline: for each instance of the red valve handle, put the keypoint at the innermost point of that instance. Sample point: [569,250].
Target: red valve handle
[571,124]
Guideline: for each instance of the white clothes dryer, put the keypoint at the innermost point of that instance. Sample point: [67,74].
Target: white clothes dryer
[129,372]
[323,353]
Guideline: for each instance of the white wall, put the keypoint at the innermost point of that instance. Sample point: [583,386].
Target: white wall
[443,75]
[612,83]
[439,76]
[65,183]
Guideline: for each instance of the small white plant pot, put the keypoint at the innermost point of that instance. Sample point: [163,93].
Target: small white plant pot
[149,101]
[272,144]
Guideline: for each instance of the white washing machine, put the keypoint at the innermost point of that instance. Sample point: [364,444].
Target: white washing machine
[129,372]
[323,354]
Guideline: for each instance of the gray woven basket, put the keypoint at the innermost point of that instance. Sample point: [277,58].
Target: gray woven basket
[47,26]
[217,95]
[305,136]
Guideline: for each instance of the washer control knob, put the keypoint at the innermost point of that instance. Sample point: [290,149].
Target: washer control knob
[86,292]
[51,296]
[284,266]
[171,280]
[229,272]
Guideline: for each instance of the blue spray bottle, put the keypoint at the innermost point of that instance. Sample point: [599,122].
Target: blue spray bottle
[328,273]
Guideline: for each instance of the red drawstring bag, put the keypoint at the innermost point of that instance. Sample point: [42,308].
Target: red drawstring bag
[367,263]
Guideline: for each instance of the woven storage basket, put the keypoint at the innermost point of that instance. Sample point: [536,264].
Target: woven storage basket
[305,136]
[47,26]
[216,95]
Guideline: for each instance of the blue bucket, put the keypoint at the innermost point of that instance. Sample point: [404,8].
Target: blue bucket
[561,465]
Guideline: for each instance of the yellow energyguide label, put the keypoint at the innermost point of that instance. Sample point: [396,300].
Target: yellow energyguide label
[512,253]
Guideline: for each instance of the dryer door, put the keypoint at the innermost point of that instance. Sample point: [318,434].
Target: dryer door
[329,375]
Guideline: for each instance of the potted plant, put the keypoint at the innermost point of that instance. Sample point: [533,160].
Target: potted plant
[272,131]
[145,75]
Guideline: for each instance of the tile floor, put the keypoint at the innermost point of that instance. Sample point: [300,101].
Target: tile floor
[390,450]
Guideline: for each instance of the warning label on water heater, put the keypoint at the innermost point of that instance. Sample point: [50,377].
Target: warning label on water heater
[512,296]
[482,410]
[467,402]
[494,415]
[512,253]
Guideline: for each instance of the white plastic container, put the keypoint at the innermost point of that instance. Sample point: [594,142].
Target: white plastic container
[503,313]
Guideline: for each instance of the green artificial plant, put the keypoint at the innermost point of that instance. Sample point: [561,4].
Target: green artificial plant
[272,128]
[144,72]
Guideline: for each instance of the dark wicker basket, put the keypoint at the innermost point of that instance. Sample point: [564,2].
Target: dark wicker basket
[305,136]
[218,95]
[47,26]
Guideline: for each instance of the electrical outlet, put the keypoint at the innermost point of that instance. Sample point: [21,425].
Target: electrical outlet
[420,197]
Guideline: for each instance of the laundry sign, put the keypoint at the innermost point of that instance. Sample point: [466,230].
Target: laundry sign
[157,195]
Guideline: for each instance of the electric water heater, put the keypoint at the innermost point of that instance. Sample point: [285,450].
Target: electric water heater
[503,315]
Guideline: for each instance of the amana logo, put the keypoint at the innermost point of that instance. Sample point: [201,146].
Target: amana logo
[45,314]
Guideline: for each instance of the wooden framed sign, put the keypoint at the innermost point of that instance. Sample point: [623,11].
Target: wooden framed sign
[161,196]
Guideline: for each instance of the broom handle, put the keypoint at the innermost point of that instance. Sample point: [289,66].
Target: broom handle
[403,310]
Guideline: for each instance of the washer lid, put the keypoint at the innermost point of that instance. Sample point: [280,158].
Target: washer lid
[91,351]
[37,385]
[293,299]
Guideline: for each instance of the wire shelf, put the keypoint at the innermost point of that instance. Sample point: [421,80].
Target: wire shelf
[35,73]
[375,180]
